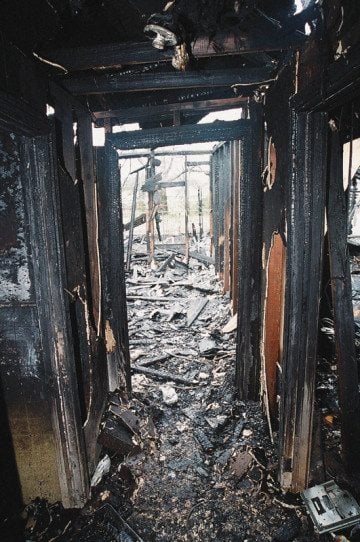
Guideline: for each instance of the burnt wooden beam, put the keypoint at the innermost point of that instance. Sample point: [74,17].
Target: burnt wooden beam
[121,82]
[249,260]
[111,246]
[19,117]
[132,114]
[180,135]
[125,100]
[124,54]
[305,204]
[348,390]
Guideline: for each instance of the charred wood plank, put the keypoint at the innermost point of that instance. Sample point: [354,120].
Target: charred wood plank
[161,375]
[195,310]
[139,220]
[305,232]
[119,54]
[118,82]
[250,252]
[181,135]
[348,389]
[152,361]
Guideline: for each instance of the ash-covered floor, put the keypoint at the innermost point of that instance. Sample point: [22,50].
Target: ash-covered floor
[202,467]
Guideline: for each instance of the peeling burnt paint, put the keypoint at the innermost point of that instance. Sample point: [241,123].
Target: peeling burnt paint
[15,284]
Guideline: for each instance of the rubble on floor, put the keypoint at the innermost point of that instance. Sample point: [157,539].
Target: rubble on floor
[188,461]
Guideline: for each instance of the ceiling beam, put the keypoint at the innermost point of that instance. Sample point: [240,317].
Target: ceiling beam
[117,55]
[118,82]
[134,114]
[180,135]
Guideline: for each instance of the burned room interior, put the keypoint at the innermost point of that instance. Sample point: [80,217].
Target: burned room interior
[180,270]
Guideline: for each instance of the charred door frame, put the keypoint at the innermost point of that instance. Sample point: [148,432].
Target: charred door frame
[43,208]
[248,132]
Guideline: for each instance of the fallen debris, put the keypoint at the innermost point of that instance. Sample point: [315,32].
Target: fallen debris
[160,375]
[170,397]
[231,325]
[195,309]
[102,468]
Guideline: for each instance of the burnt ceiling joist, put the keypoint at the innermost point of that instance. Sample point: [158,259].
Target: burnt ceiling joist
[118,82]
[116,55]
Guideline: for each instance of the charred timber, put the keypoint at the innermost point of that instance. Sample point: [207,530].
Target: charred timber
[180,135]
[118,54]
[119,82]
[135,113]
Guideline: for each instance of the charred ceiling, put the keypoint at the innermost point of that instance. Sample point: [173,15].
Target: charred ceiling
[169,53]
